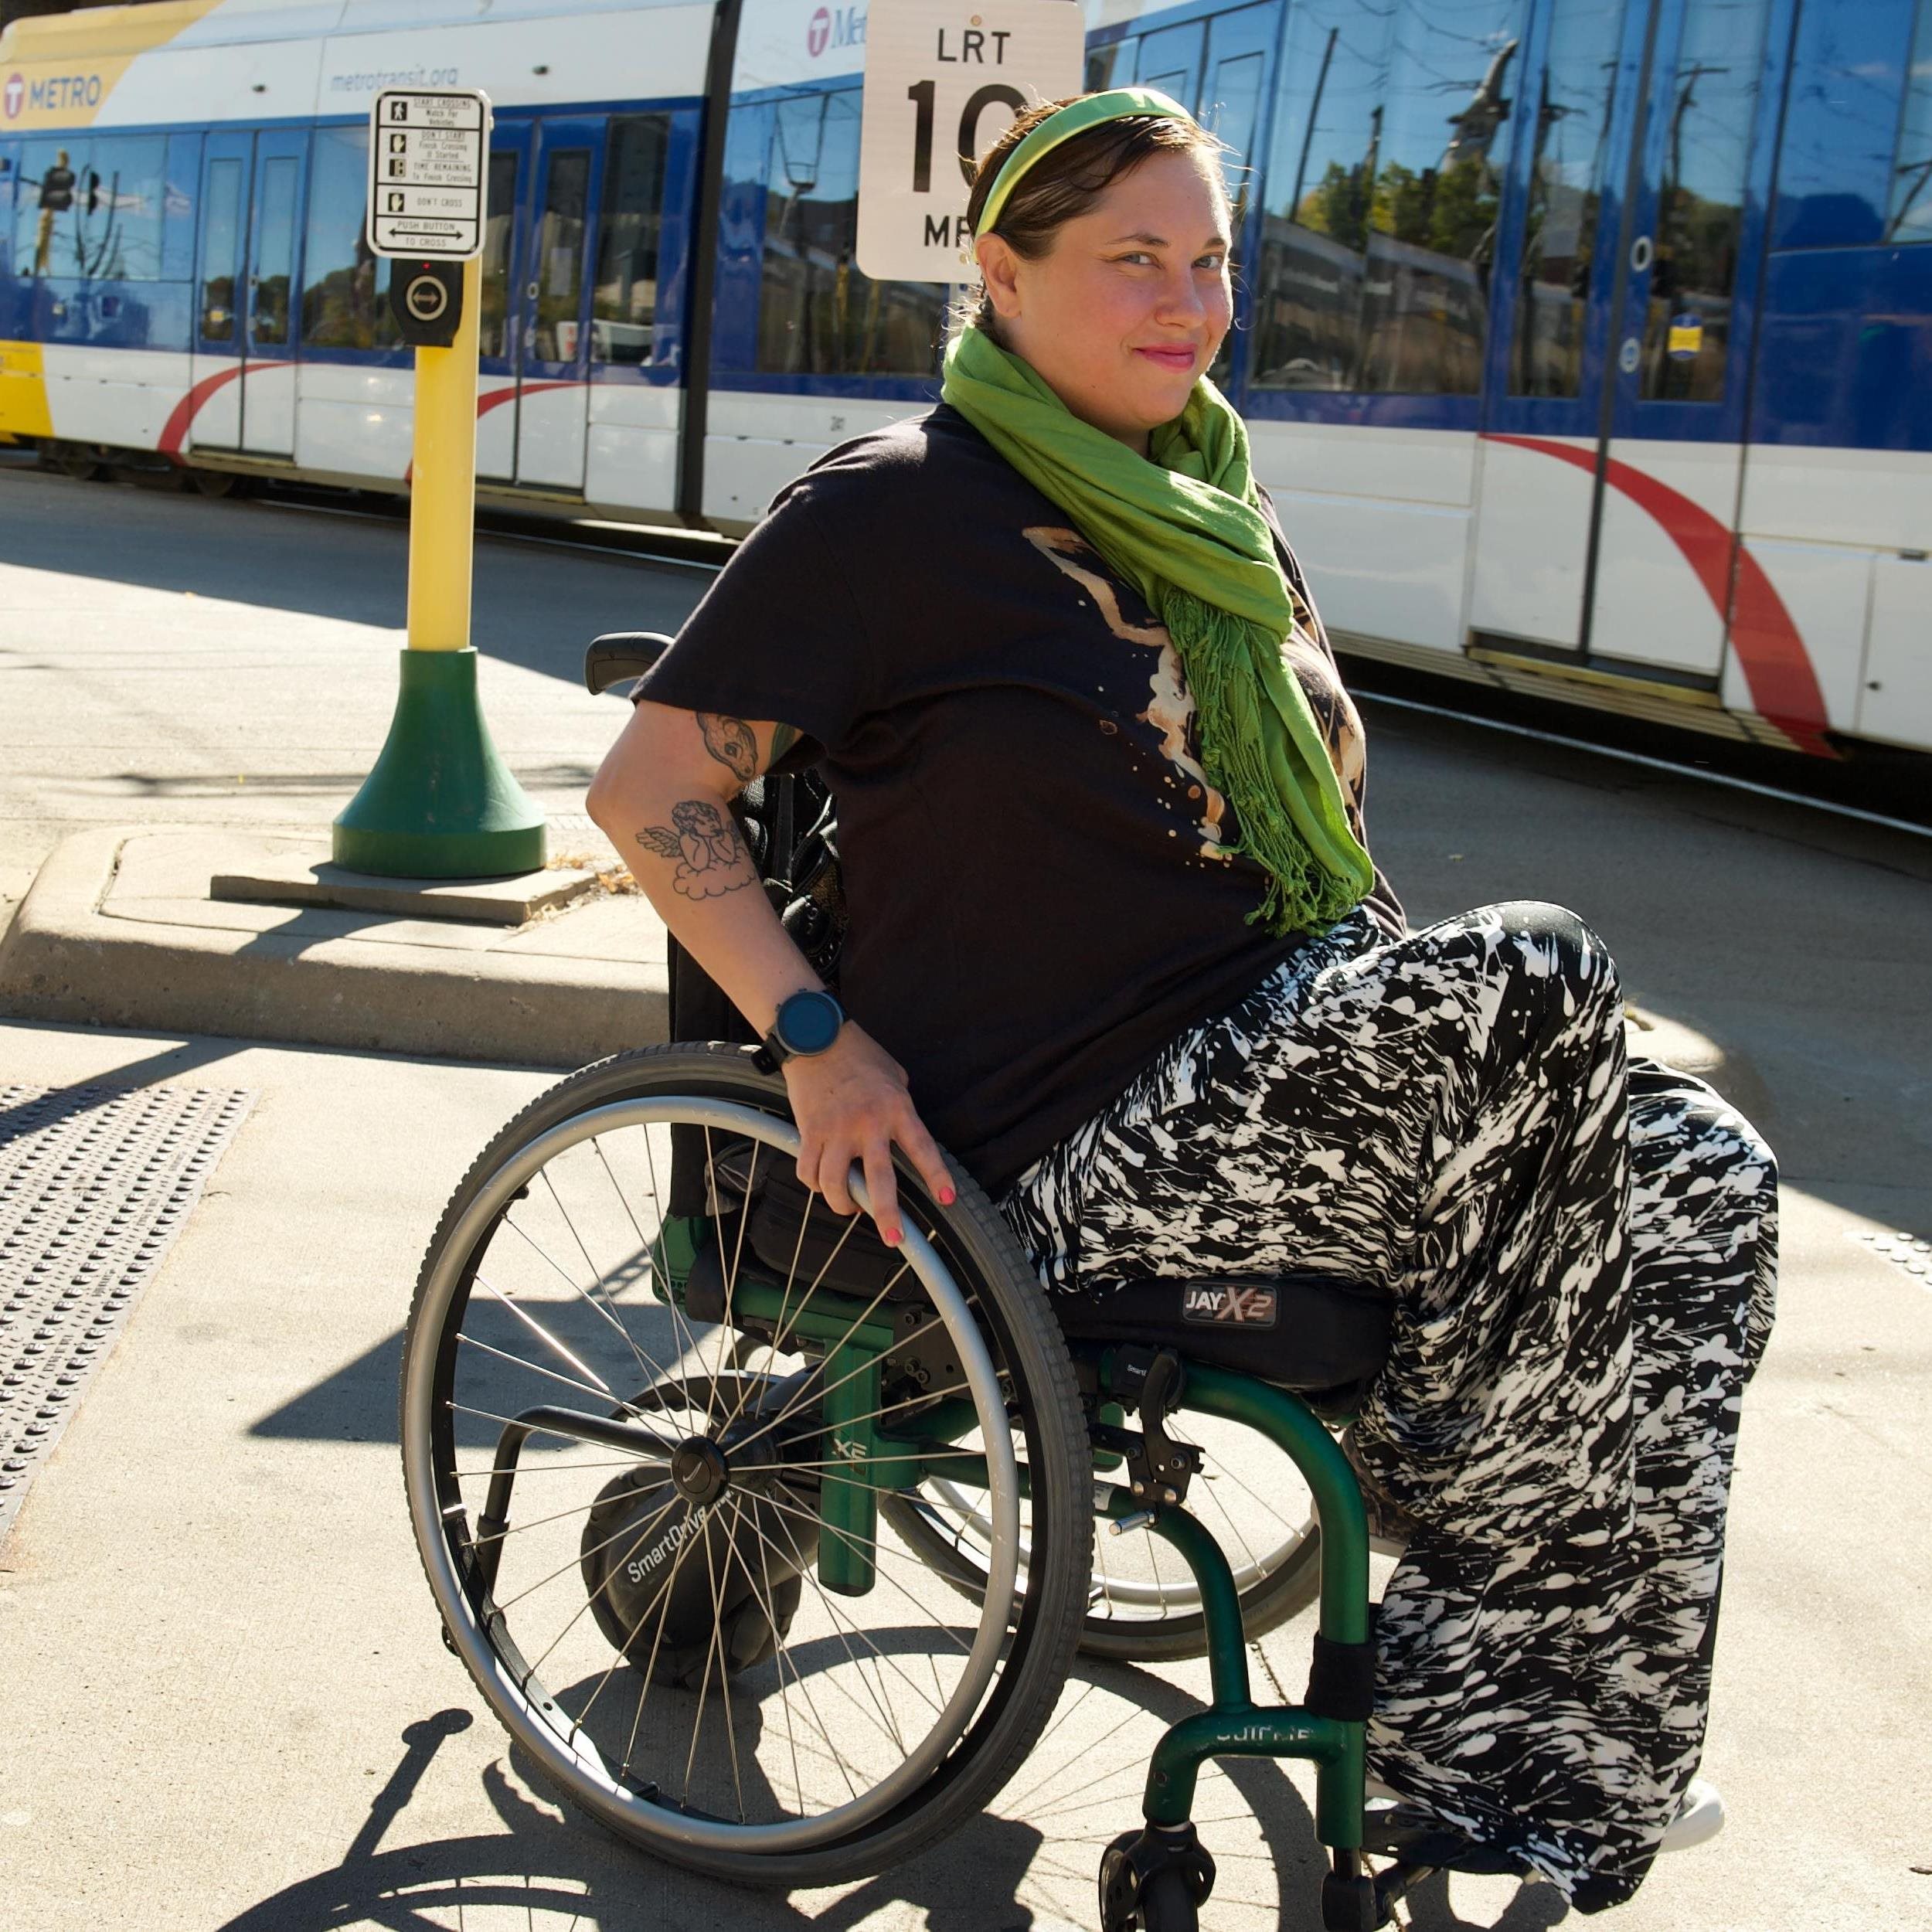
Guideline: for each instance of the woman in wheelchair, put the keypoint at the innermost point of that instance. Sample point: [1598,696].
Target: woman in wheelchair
[1116,940]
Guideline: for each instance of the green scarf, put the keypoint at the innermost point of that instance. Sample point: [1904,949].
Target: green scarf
[1186,530]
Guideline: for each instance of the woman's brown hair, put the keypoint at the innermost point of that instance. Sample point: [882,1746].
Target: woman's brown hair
[1067,181]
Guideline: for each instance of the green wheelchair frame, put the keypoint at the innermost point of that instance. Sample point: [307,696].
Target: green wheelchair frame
[1140,1871]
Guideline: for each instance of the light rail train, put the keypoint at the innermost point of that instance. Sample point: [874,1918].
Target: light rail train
[1586,345]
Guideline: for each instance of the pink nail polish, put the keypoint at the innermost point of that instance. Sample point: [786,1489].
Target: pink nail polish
[891,1237]
[948,1196]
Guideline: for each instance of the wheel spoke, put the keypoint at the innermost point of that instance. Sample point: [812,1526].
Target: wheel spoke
[873,1551]
[812,1392]
[537,1368]
[724,1663]
[644,1530]
[875,1690]
[576,1287]
[678,1320]
[781,1332]
[841,1622]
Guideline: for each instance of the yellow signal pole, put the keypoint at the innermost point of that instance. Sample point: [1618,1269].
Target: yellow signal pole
[443,488]
[440,803]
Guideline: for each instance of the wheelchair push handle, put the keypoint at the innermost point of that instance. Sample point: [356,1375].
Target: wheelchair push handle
[620,657]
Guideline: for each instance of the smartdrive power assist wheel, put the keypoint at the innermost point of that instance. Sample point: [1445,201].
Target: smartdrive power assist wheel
[645,1441]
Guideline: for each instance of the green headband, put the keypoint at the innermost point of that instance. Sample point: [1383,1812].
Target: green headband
[1090,111]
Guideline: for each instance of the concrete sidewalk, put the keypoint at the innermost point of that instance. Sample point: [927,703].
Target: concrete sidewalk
[203,691]
[227,1705]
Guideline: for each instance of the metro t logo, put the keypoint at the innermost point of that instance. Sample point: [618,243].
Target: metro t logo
[16,92]
[834,27]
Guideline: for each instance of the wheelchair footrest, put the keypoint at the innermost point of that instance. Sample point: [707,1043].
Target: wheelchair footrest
[1412,1838]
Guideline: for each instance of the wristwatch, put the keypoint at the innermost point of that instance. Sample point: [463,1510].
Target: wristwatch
[806,1024]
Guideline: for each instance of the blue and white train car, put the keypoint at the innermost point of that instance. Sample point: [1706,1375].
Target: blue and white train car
[1586,343]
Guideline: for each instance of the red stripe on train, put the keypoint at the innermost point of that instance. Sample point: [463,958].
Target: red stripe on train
[175,430]
[1783,686]
[494,399]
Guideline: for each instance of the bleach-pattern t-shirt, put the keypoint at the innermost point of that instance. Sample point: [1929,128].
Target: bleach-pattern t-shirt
[1041,883]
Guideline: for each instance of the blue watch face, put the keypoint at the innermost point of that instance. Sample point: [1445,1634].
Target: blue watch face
[809,1022]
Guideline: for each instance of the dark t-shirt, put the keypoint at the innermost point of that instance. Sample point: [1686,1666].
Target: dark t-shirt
[1035,864]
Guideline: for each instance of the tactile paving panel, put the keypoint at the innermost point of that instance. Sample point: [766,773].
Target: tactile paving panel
[1907,1251]
[95,1183]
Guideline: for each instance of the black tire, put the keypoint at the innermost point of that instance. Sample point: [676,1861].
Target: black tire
[76,460]
[1041,1404]
[1166,1903]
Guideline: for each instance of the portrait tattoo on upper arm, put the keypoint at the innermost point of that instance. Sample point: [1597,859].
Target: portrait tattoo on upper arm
[705,845]
[730,741]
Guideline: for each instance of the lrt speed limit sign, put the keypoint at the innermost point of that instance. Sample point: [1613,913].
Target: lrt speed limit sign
[428,157]
[944,79]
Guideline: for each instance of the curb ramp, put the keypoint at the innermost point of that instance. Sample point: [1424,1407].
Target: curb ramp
[120,929]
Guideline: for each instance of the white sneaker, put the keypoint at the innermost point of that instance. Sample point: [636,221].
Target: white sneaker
[1700,1816]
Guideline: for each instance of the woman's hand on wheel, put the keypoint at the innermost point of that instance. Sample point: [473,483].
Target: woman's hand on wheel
[852,1103]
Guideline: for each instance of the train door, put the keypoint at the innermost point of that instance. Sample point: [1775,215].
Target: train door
[502,277]
[227,181]
[251,187]
[1234,85]
[1217,68]
[1612,446]
[551,338]
[268,376]
[1170,59]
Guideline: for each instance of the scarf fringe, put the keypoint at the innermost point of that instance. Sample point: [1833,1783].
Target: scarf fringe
[1185,529]
[1304,894]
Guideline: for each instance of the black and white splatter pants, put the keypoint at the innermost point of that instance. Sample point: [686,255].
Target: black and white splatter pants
[1582,1254]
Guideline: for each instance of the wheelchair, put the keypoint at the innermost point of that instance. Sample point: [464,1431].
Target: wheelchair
[772,1546]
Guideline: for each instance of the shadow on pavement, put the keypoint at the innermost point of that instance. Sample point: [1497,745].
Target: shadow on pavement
[534,606]
[158,1069]
[542,1865]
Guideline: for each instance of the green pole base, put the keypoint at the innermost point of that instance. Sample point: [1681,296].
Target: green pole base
[440,803]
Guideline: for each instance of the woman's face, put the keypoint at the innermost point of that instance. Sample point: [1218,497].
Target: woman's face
[1125,311]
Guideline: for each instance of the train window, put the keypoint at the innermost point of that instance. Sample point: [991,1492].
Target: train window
[182,173]
[1711,104]
[1232,109]
[1111,66]
[624,299]
[92,206]
[221,244]
[1567,183]
[499,223]
[1911,216]
[1384,177]
[274,252]
[559,256]
[817,314]
[1841,136]
[345,288]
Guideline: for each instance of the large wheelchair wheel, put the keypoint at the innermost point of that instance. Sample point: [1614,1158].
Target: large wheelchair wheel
[664,1568]
[1143,1604]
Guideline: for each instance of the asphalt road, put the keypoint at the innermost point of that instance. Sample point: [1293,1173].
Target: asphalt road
[226,1702]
